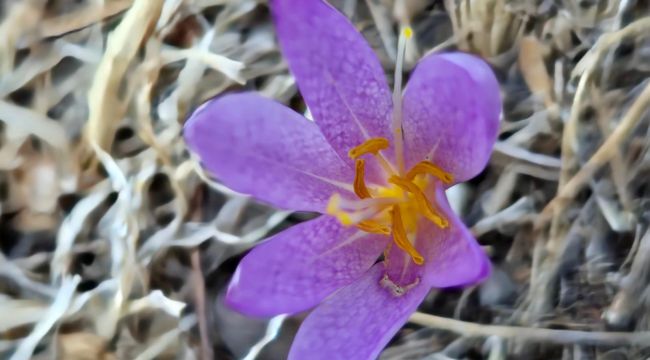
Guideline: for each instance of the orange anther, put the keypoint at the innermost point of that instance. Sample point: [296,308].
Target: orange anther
[400,238]
[421,200]
[373,227]
[427,167]
[370,146]
[360,187]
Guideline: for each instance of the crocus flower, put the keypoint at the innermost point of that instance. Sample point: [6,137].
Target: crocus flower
[376,165]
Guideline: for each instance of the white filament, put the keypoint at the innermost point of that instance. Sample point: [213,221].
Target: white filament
[404,35]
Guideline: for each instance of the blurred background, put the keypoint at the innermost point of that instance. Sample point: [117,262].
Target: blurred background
[115,244]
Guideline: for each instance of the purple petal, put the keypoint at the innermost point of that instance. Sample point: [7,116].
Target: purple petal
[452,255]
[483,75]
[259,147]
[451,109]
[455,257]
[296,269]
[337,73]
[356,322]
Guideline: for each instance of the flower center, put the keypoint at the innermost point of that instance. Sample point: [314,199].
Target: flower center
[395,207]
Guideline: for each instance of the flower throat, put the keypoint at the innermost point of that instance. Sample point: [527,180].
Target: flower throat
[392,209]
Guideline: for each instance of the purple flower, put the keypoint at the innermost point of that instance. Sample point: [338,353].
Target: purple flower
[376,164]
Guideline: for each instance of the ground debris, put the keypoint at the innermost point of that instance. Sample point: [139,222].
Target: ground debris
[115,244]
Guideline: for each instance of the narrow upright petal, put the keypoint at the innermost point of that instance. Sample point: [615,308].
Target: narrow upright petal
[298,268]
[357,321]
[262,148]
[451,110]
[337,73]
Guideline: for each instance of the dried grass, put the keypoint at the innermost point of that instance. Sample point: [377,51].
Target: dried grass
[116,245]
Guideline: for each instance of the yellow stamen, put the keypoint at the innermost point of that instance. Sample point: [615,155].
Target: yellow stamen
[427,167]
[334,209]
[421,200]
[374,227]
[400,238]
[354,212]
[360,187]
[370,146]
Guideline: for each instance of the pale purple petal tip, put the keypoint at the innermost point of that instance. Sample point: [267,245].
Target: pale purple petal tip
[337,73]
[259,147]
[451,110]
[357,322]
[485,80]
[296,269]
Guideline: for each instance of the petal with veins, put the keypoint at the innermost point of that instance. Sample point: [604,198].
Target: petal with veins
[451,110]
[357,321]
[337,73]
[296,269]
[262,148]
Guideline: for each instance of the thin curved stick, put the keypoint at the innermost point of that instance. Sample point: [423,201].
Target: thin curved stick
[532,334]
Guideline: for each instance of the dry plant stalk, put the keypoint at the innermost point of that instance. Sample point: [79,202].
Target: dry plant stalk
[567,337]
[106,108]
[606,151]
